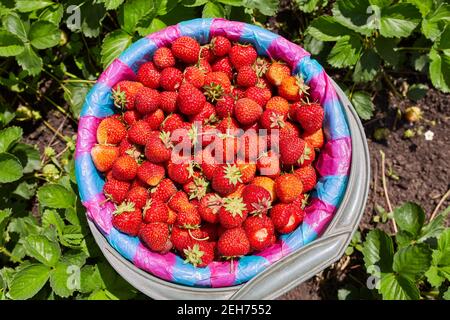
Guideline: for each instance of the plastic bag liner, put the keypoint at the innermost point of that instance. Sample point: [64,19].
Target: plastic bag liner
[333,162]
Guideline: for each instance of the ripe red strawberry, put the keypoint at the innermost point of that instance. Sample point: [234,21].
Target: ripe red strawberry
[291,149]
[260,232]
[217,84]
[124,92]
[288,187]
[168,101]
[289,130]
[232,213]
[155,211]
[277,72]
[164,190]
[156,236]
[200,254]
[190,100]
[250,145]
[314,139]
[225,106]
[179,202]
[131,116]
[310,116]
[171,79]
[204,65]
[138,196]
[292,88]
[189,218]
[150,173]
[205,116]
[180,172]
[186,49]
[268,184]
[259,95]
[194,76]
[293,110]
[116,190]
[207,163]
[154,119]
[127,219]
[223,65]
[139,132]
[247,111]
[248,171]
[246,77]
[211,230]
[182,238]
[286,217]
[226,179]
[104,156]
[238,93]
[206,54]
[233,243]
[148,75]
[269,164]
[307,156]
[124,168]
[220,46]
[279,104]
[308,177]
[110,131]
[172,217]
[257,199]
[172,122]
[242,55]
[159,148]
[163,58]
[197,187]
[209,207]
[272,120]
[147,100]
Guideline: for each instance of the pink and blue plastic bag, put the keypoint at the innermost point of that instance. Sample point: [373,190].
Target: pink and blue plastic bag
[333,163]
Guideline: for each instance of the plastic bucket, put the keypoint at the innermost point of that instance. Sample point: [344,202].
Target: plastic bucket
[274,278]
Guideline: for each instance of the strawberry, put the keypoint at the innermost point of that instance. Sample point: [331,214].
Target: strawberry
[172,217]
[197,187]
[150,173]
[211,230]
[189,218]
[186,49]
[156,236]
[124,168]
[259,95]
[146,100]
[200,254]
[207,163]
[104,156]
[206,54]
[168,101]
[225,148]
[246,77]
[158,148]
[225,106]
[289,130]
[226,179]
[228,125]
[204,66]
[247,111]
[277,72]
[163,58]
[220,46]
[190,100]
[267,183]
[291,150]
[172,122]
[139,132]
[233,243]
[171,79]
[307,156]
[131,116]
[124,92]
[179,202]
[116,190]
[242,55]
[279,104]
[237,193]
[248,171]
[110,131]
[194,76]
[238,93]
[293,109]
[261,67]
[205,116]
[217,84]
[288,187]
[286,217]
[138,196]
[272,120]
[308,177]
[250,145]
[127,219]
[155,211]
[209,207]
[164,190]
[180,172]
[310,116]
[257,199]
[292,88]
[223,65]
[314,139]
[301,201]
[148,75]
[232,213]
[268,164]
[154,119]
[182,238]
[260,232]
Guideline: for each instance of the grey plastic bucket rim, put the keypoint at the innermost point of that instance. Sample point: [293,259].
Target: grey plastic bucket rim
[289,271]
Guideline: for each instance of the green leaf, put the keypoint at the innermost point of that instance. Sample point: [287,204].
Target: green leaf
[25,189]
[10,168]
[112,4]
[197,3]
[411,262]
[165,6]
[133,12]
[113,45]
[433,277]
[399,20]
[213,10]
[309,6]
[52,219]
[378,250]
[42,249]
[16,26]
[75,258]
[444,241]
[345,52]
[30,61]
[266,7]
[55,196]
[31,5]
[434,228]
[385,48]
[443,42]
[44,34]
[235,3]
[28,281]
[10,45]
[367,66]
[28,156]
[396,287]
[154,26]
[75,95]
[9,136]
[424,6]
[91,279]
[326,28]
[440,70]
[52,14]
[417,91]
[363,104]
[59,280]
[433,24]
[446,295]
[359,16]
[409,217]
[91,16]
[6,115]
[380,3]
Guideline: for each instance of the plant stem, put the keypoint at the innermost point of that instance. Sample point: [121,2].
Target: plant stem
[444,197]
[9,254]
[386,194]
[411,49]
[391,85]
[48,125]
[79,80]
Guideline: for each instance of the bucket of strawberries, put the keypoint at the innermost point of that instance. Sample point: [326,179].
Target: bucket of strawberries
[211,152]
